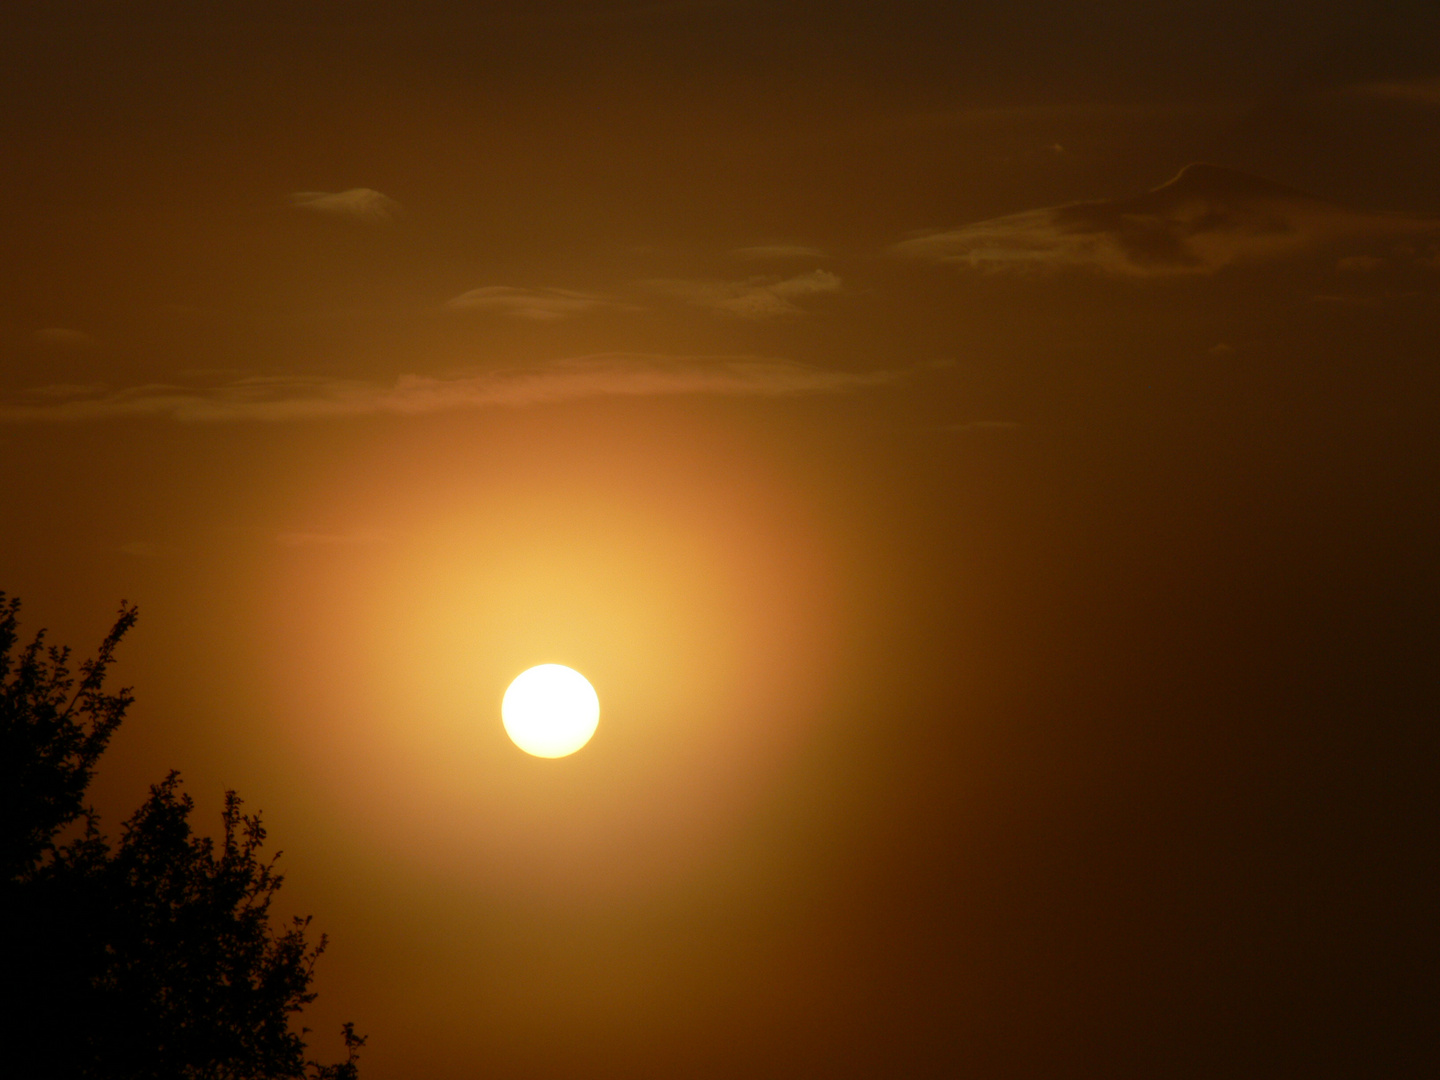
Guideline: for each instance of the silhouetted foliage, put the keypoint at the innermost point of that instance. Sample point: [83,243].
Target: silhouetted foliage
[156,958]
[51,734]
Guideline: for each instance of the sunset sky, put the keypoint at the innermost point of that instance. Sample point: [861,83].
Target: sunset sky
[984,456]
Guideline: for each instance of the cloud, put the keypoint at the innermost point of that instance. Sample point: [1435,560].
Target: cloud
[1206,218]
[779,251]
[1410,91]
[300,397]
[1350,300]
[755,298]
[61,391]
[57,337]
[1359,264]
[363,204]
[542,305]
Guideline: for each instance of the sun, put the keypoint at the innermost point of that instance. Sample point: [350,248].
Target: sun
[550,710]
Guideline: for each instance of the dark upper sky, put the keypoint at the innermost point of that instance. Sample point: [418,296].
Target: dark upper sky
[1005,560]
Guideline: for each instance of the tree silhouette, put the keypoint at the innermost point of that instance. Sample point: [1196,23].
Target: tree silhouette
[51,734]
[156,958]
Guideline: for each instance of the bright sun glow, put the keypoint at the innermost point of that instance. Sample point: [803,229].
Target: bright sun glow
[550,710]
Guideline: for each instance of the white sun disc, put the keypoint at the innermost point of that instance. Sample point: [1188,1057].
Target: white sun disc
[550,710]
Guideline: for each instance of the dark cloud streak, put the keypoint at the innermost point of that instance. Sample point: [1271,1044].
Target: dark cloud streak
[1206,218]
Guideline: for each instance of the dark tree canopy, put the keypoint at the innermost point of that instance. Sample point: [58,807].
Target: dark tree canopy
[52,731]
[152,958]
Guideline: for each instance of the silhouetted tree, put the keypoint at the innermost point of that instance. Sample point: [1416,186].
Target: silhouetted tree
[52,731]
[156,958]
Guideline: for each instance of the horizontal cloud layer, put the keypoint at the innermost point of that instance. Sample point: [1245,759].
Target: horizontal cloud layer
[298,397]
[1206,218]
[754,298]
[59,337]
[779,251]
[541,305]
[1412,91]
[364,204]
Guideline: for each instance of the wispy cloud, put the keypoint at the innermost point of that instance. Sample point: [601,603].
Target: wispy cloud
[779,251]
[65,391]
[754,298]
[298,397]
[363,204]
[59,337]
[1359,264]
[1207,218]
[541,305]
[1410,91]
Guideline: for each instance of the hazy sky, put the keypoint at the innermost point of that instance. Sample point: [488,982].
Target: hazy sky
[1006,561]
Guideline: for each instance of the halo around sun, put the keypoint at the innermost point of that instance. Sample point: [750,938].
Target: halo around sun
[550,710]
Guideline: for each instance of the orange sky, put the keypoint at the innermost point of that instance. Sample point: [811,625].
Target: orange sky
[1005,560]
